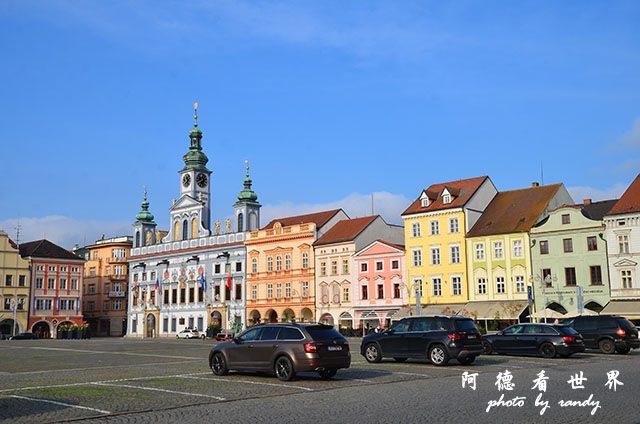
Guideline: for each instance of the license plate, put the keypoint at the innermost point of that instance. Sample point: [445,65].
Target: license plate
[332,348]
[471,336]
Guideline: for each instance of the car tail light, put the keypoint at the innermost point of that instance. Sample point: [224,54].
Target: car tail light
[568,339]
[457,336]
[621,332]
[310,348]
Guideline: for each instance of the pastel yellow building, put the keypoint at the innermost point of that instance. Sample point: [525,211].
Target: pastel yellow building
[14,289]
[435,227]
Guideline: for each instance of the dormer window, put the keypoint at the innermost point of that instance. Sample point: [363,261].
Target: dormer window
[425,202]
[446,198]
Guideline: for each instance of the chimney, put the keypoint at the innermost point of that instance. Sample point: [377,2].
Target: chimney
[586,202]
[535,184]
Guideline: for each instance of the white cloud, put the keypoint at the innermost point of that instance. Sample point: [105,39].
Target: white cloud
[580,193]
[389,205]
[63,230]
[630,139]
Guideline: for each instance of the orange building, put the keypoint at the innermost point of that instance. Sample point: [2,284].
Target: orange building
[280,267]
[105,284]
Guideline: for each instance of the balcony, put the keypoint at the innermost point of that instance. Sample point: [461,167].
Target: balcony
[118,277]
[117,294]
[117,260]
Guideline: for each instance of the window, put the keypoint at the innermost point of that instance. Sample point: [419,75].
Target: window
[417,286]
[415,229]
[238,291]
[92,271]
[92,288]
[425,202]
[365,292]
[446,198]
[323,268]
[63,284]
[454,226]
[567,245]
[417,256]
[395,264]
[305,289]
[517,248]
[95,255]
[72,305]
[566,219]
[363,267]
[287,262]
[544,247]
[627,283]
[456,286]
[183,295]
[144,276]
[334,267]
[107,270]
[596,275]
[74,284]
[345,294]
[51,283]
[305,260]
[106,288]
[435,227]
[592,243]
[174,296]
[48,304]
[106,305]
[396,291]
[287,290]
[623,243]
[91,306]
[64,304]
[435,256]
[21,280]
[270,264]
[269,291]
[278,263]
[254,265]
[345,266]
[166,297]
[455,254]
[185,230]
[9,280]
[117,305]
[238,266]
[437,286]
[497,250]
[480,252]
[500,286]
[254,292]
[482,286]
[379,265]
[192,295]
[380,291]
[520,284]
[216,268]
[546,277]
[570,276]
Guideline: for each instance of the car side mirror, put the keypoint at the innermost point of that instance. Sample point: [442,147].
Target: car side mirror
[390,331]
[237,340]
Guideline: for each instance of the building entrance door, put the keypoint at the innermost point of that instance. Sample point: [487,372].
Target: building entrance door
[151,325]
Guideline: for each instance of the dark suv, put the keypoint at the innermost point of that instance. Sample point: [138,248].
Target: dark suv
[438,338]
[285,349]
[609,333]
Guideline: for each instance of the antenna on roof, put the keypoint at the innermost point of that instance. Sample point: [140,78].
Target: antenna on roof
[372,203]
[18,227]
[541,173]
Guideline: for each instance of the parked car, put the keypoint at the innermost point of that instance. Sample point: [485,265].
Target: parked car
[547,340]
[23,336]
[438,338]
[189,333]
[286,349]
[225,335]
[609,333]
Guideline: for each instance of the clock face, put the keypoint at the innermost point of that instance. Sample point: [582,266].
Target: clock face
[186,180]
[201,179]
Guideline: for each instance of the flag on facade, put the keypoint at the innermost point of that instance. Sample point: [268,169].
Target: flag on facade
[157,284]
[57,309]
[78,305]
[229,280]
[203,284]
[35,304]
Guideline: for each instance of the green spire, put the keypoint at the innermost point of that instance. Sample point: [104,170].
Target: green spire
[247,195]
[144,216]
[195,158]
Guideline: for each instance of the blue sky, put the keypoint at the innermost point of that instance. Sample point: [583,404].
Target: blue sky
[329,101]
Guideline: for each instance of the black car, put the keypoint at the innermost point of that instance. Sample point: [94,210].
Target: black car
[547,340]
[438,338]
[286,349]
[23,336]
[609,333]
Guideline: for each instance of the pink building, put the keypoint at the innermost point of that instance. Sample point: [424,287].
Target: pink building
[381,288]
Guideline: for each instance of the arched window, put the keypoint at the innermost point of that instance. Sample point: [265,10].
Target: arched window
[137,238]
[194,228]
[254,265]
[278,263]
[305,260]
[176,231]
[185,229]
[270,264]
[287,262]
[240,223]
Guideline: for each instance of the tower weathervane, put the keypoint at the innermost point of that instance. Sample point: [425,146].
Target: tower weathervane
[145,191]
[247,162]
[195,116]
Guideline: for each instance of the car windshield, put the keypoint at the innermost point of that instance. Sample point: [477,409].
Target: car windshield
[323,333]
[569,331]
[624,323]
[465,324]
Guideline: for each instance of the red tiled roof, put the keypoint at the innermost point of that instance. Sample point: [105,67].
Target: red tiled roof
[45,249]
[319,218]
[514,211]
[396,246]
[345,230]
[461,191]
[630,200]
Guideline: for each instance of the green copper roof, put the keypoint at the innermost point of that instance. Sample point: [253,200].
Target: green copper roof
[247,195]
[144,216]
[195,158]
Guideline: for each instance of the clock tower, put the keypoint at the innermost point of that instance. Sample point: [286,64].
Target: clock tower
[191,214]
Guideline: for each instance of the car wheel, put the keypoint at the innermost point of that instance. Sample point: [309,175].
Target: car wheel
[438,355]
[372,353]
[219,364]
[400,359]
[607,346]
[284,369]
[467,360]
[487,348]
[177,337]
[623,350]
[328,374]
[547,350]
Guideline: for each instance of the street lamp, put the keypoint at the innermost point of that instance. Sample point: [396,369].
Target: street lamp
[296,293]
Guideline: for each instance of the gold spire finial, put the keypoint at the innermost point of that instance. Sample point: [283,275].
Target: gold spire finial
[247,162]
[145,191]
[195,116]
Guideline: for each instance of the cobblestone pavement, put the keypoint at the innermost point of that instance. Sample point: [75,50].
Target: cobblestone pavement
[167,381]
